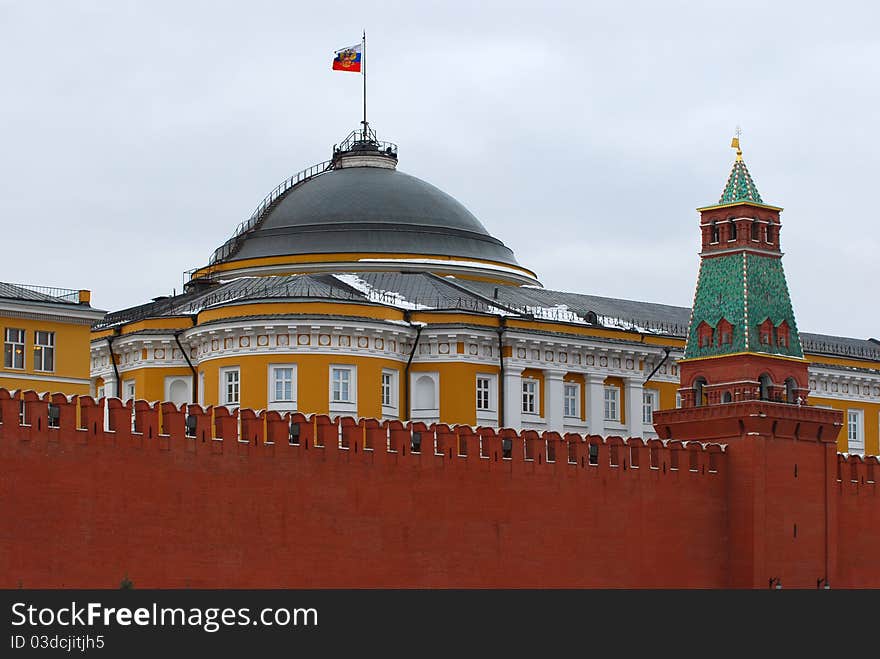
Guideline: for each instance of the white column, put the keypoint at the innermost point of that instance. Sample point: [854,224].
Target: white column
[595,383]
[634,421]
[553,399]
[512,396]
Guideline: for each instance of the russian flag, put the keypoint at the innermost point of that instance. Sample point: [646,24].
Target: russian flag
[348,59]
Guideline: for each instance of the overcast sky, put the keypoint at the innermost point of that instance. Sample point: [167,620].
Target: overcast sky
[137,135]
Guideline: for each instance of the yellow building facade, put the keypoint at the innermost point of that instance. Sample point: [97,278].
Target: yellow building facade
[357,290]
[46,335]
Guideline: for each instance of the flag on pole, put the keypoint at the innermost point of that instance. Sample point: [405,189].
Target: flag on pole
[348,59]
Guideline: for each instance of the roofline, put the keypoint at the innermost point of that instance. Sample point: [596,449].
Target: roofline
[740,203]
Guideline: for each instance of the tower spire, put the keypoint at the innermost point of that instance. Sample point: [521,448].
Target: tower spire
[734,144]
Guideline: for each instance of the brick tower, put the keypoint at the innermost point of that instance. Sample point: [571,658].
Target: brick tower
[744,382]
[743,343]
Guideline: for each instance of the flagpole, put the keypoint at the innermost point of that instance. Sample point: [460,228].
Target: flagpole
[364,73]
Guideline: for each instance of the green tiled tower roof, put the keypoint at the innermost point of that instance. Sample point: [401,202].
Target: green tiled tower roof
[740,186]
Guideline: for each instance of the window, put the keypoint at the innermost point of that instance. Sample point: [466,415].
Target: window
[705,334]
[714,232]
[769,234]
[386,389]
[483,388]
[571,399]
[756,231]
[229,386]
[612,412]
[854,432]
[765,332]
[677,400]
[732,231]
[530,396]
[340,385]
[782,335]
[282,384]
[389,390]
[13,348]
[649,404]
[725,332]
[128,390]
[44,351]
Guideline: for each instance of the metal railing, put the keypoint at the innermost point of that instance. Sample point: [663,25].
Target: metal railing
[361,140]
[257,216]
[62,294]
[840,349]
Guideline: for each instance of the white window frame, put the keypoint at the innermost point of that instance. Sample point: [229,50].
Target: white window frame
[12,343]
[486,415]
[650,401]
[343,405]
[855,431]
[677,400]
[571,404]
[485,392]
[41,350]
[128,390]
[417,411]
[274,402]
[612,403]
[223,394]
[531,396]
[391,403]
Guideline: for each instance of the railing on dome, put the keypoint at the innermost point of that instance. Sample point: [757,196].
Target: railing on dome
[257,216]
[365,140]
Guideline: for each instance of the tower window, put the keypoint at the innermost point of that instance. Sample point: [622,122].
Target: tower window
[714,233]
[756,231]
[782,335]
[699,392]
[769,233]
[705,335]
[765,333]
[725,333]
[732,231]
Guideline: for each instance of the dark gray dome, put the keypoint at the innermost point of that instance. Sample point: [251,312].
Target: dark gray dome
[370,209]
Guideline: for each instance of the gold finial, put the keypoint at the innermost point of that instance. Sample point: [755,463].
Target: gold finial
[734,144]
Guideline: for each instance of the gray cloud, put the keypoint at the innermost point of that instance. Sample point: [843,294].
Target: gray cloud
[136,135]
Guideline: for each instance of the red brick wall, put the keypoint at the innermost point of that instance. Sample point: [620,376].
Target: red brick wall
[84,508]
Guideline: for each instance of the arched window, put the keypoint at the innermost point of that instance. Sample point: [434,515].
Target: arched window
[756,231]
[790,390]
[714,233]
[700,392]
[769,233]
[732,230]
[726,397]
[765,383]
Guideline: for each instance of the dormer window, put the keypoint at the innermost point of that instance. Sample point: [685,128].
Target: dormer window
[765,333]
[725,333]
[782,335]
[705,335]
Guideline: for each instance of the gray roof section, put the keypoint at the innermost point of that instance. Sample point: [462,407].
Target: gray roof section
[431,292]
[371,209]
[38,293]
